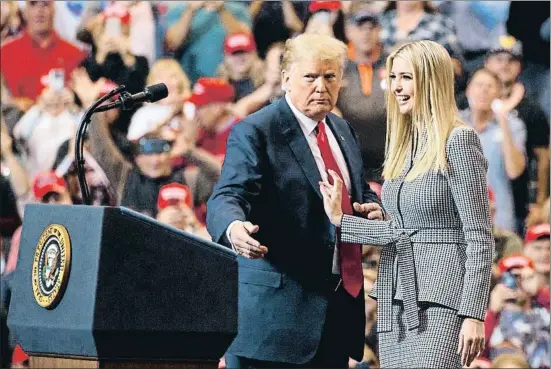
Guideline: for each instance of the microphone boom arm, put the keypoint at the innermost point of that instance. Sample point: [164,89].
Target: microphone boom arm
[79,142]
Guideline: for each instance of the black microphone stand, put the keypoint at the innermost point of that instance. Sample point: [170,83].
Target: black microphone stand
[79,143]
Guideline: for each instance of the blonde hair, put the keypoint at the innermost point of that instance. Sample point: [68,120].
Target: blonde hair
[310,45]
[256,72]
[169,64]
[518,360]
[434,112]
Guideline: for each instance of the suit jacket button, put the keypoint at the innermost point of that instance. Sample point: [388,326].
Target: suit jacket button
[329,245]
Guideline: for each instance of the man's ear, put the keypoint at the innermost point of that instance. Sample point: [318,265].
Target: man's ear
[285,80]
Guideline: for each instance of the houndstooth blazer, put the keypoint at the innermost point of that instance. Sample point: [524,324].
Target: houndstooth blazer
[438,245]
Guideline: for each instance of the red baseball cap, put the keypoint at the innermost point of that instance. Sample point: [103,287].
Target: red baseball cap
[174,194]
[208,90]
[331,6]
[47,182]
[537,231]
[515,261]
[240,41]
[117,10]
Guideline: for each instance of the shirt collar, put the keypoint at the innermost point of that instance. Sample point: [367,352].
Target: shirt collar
[308,125]
[54,40]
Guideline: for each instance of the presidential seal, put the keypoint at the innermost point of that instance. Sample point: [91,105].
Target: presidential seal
[51,266]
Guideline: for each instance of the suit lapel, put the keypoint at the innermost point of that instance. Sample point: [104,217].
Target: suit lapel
[347,143]
[298,144]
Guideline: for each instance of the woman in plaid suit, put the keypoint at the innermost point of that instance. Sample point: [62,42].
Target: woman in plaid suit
[434,275]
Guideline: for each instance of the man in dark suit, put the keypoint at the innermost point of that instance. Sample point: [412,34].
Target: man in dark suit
[301,300]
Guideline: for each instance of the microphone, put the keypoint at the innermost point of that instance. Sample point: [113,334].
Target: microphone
[126,101]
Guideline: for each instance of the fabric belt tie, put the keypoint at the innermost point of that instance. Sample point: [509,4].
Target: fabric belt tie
[401,246]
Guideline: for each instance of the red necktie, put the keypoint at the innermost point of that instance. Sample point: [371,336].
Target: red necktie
[350,254]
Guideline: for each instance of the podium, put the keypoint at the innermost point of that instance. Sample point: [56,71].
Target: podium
[106,287]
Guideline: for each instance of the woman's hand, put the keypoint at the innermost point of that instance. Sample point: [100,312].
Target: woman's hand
[471,341]
[332,198]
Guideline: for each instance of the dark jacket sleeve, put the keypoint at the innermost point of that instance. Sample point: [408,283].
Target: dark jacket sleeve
[368,195]
[240,182]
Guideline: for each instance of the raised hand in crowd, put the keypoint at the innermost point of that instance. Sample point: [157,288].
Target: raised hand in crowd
[18,176]
[6,141]
[500,295]
[531,282]
[108,44]
[182,218]
[517,94]
[86,90]
[55,102]
[186,140]
[515,160]
[172,216]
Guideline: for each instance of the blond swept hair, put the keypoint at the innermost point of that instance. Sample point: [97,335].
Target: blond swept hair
[434,112]
[255,73]
[171,65]
[313,46]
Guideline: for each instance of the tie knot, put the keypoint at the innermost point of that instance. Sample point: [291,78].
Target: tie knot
[320,128]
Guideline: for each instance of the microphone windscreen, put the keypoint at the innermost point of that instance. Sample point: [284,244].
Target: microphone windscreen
[156,92]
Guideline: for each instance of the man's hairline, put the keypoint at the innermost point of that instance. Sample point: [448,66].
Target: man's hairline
[292,64]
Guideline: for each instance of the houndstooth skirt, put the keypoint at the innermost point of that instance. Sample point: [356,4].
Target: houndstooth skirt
[433,345]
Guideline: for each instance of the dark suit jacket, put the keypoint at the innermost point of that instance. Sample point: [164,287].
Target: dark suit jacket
[270,178]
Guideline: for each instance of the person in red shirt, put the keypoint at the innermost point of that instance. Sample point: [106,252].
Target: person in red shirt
[212,97]
[30,61]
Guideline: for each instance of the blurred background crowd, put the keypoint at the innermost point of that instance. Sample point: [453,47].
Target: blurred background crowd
[221,62]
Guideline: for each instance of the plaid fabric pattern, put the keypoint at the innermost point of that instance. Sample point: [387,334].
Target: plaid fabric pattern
[434,27]
[444,219]
[433,345]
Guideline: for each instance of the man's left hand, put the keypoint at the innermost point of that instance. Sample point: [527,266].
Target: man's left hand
[371,211]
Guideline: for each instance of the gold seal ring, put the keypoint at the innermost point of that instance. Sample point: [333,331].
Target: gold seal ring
[51,266]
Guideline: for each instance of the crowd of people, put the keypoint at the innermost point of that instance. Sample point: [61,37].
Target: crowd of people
[221,61]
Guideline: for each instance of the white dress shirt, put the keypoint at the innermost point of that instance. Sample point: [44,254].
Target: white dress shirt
[308,127]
